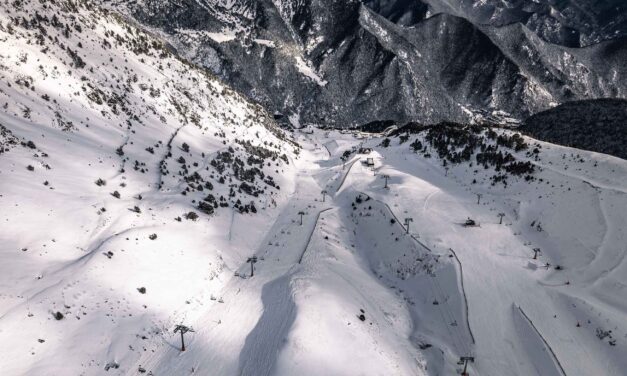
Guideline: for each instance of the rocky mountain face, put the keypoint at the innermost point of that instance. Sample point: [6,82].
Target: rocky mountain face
[346,63]
[572,23]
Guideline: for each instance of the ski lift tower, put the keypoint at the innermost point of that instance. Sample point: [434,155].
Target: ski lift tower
[252,261]
[464,360]
[407,221]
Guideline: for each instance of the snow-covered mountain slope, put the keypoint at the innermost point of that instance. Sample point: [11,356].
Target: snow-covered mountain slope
[131,183]
[562,313]
[135,187]
[352,291]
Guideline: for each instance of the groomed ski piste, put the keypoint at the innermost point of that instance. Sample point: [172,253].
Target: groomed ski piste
[94,282]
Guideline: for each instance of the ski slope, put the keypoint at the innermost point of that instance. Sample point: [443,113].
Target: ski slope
[134,188]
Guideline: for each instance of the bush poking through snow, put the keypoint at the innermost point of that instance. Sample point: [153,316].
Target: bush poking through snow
[152,236]
[112,365]
[192,216]
[205,207]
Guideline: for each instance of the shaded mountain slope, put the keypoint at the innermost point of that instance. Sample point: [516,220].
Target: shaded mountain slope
[344,63]
[595,125]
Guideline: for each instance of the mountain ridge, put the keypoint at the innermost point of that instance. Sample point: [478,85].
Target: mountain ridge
[313,62]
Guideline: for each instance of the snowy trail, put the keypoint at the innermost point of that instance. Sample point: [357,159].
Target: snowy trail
[264,342]
[463,290]
[544,369]
[262,305]
[608,257]
[330,282]
[300,259]
[68,268]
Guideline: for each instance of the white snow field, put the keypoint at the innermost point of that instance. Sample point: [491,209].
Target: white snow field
[135,187]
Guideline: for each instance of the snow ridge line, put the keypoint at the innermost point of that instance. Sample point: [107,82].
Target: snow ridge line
[328,151]
[543,340]
[461,277]
[346,175]
[81,260]
[311,234]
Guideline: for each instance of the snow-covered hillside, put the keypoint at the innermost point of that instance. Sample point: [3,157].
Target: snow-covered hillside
[562,313]
[135,189]
[125,177]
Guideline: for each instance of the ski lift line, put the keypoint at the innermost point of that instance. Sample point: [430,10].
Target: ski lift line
[444,319]
[399,222]
[300,259]
[552,285]
[231,224]
[461,278]
[543,340]
[445,299]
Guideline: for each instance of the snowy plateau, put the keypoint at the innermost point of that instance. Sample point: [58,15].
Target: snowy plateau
[143,202]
